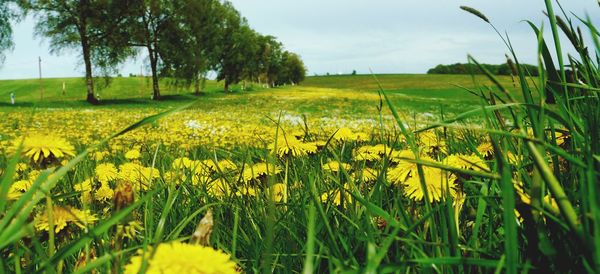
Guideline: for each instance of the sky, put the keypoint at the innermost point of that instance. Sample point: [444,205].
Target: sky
[339,36]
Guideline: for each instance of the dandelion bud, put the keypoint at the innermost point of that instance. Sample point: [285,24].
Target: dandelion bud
[380,222]
[123,195]
[85,258]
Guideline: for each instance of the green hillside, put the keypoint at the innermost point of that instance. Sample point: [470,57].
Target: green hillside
[136,87]
[418,92]
[30,90]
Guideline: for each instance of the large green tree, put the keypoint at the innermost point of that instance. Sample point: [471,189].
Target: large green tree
[293,70]
[273,61]
[154,26]
[7,14]
[87,25]
[194,52]
[234,48]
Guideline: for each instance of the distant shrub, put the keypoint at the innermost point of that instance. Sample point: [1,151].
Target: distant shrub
[459,68]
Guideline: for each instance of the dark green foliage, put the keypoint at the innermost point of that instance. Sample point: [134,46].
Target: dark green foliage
[6,15]
[460,68]
[292,71]
[184,39]
[151,25]
[89,26]
[192,51]
[236,42]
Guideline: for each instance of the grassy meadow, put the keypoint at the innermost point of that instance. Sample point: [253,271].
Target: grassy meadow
[341,174]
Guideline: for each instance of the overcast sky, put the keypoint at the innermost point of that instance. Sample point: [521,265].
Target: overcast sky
[338,36]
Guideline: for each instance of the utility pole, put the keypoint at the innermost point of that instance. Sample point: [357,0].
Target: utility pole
[41,83]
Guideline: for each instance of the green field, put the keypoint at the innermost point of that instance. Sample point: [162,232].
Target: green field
[320,174]
[411,92]
[388,173]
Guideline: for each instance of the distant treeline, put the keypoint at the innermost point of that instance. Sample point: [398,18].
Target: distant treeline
[503,69]
[183,39]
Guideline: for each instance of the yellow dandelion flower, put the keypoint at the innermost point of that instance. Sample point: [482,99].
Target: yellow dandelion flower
[139,176]
[486,149]
[99,155]
[430,139]
[104,193]
[335,166]
[335,196]
[370,153]
[257,170]
[133,154]
[368,175]
[177,258]
[397,156]
[106,172]
[279,192]
[549,202]
[521,192]
[471,162]
[247,191]
[181,163]
[320,144]
[129,230]
[344,134]
[438,183]
[17,189]
[21,167]
[63,216]
[226,165]
[200,180]
[290,146]
[361,137]
[85,188]
[176,177]
[200,167]
[561,137]
[514,159]
[41,147]
[400,173]
[33,175]
[219,188]
[209,166]
[298,133]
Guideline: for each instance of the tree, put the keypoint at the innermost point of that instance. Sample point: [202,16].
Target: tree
[294,67]
[7,14]
[236,42]
[88,25]
[197,36]
[274,62]
[153,25]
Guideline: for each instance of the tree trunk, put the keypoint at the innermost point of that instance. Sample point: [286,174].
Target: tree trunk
[197,87]
[89,79]
[226,86]
[153,66]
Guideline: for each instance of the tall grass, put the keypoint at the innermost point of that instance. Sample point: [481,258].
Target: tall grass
[506,223]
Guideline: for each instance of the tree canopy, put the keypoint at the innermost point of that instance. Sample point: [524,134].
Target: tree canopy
[7,15]
[88,25]
[459,68]
[182,39]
